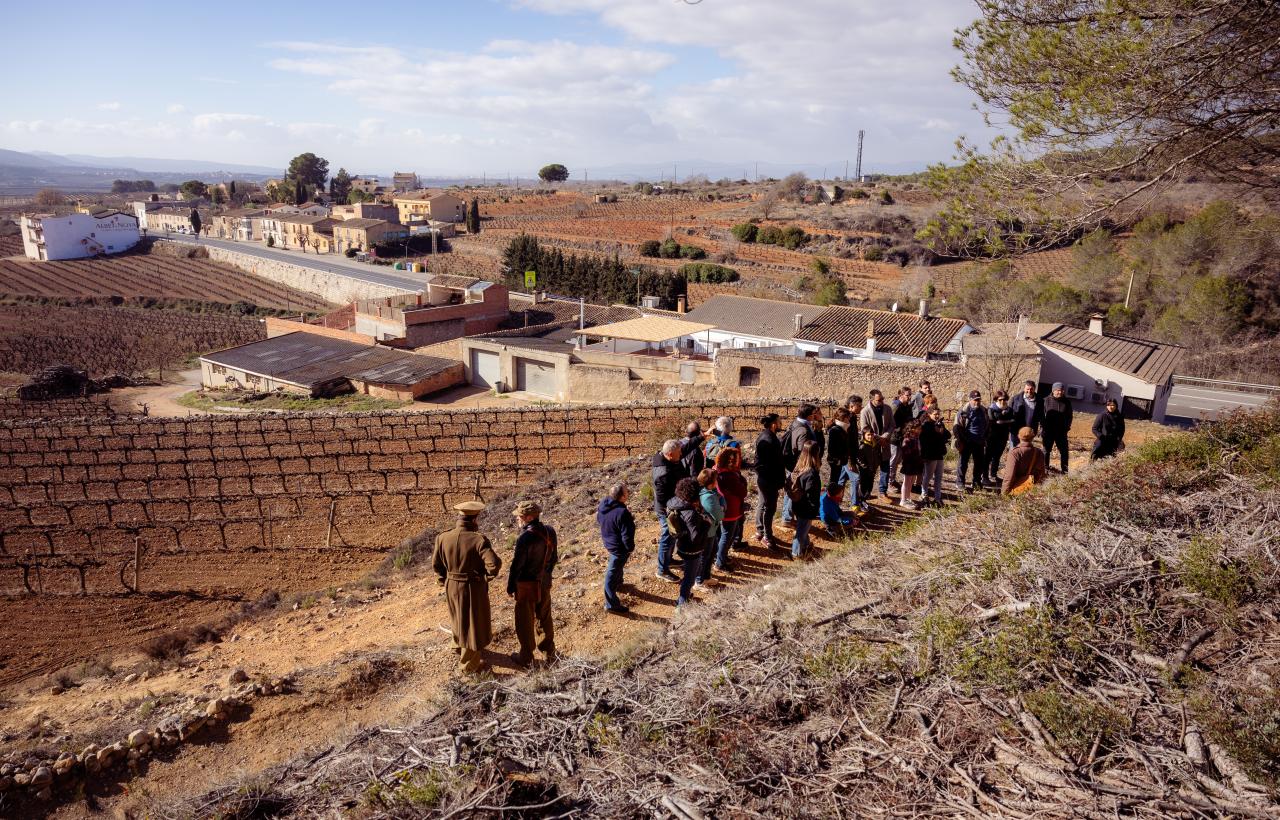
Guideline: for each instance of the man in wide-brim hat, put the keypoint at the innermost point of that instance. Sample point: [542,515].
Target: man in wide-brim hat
[465,563]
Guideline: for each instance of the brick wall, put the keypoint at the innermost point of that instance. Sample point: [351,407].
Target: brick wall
[280,327]
[12,407]
[196,489]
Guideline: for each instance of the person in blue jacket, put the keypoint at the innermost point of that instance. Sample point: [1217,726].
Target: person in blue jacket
[833,517]
[618,532]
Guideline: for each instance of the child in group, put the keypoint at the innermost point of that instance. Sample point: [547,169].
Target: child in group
[869,455]
[912,463]
[833,517]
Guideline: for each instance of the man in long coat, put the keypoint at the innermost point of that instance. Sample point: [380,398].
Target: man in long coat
[465,563]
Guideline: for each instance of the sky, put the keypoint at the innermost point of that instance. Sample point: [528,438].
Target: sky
[493,87]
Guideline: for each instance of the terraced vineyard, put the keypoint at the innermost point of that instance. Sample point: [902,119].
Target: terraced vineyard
[150,276]
[114,339]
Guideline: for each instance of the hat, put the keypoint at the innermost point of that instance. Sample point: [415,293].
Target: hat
[1057,385]
[470,508]
[974,394]
[528,508]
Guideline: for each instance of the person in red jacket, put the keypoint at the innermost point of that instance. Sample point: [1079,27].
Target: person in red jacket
[733,488]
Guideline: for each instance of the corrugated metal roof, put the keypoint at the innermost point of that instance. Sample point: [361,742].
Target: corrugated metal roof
[1153,362]
[768,318]
[309,359]
[903,334]
[648,329]
[559,310]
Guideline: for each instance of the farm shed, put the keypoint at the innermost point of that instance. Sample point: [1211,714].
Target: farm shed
[320,366]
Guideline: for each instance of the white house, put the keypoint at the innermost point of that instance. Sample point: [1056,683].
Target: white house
[1094,366]
[743,321]
[78,236]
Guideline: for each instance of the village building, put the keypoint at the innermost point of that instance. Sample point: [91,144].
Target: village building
[424,206]
[449,307]
[366,185]
[319,366]
[365,210]
[363,234]
[881,335]
[747,322]
[404,181]
[239,224]
[175,219]
[299,232]
[78,236]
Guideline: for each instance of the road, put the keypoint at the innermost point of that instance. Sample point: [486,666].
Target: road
[329,263]
[1190,402]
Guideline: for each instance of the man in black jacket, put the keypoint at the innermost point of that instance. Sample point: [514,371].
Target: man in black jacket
[1108,431]
[1028,411]
[839,452]
[530,583]
[770,476]
[902,413]
[668,469]
[1058,414]
[691,453]
[807,426]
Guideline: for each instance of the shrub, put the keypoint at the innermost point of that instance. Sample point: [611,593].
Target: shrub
[744,232]
[886,198]
[793,237]
[350,253]
[692,252]
[858,193]
[820,266]
[670,249]
[708,272]
[1204,571]
[873,254]
[769,235]
[650,247]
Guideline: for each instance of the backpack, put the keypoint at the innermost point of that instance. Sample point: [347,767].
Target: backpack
[714,445]
[794,491]
[675,524]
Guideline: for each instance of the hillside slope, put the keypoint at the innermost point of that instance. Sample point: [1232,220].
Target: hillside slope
[1105,646]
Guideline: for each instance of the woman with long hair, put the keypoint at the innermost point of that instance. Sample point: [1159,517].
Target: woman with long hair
[805,494]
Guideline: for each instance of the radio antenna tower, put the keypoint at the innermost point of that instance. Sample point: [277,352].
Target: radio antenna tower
[857,170]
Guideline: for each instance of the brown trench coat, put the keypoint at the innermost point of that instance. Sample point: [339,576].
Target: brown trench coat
[465,562]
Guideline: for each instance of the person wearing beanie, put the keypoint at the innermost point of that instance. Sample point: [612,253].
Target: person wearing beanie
[1054,430]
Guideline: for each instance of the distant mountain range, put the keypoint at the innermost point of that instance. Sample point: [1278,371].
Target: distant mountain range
[24,172]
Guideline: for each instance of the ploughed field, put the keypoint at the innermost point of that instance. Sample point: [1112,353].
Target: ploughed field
[576,224]
[108,340]
[151,276]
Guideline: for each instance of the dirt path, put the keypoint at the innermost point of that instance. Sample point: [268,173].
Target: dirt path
[161,400]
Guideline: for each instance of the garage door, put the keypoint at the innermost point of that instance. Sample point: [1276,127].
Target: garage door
[538,378]
[485,368]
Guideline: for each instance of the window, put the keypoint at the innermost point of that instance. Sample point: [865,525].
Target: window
[252,379]
[219,370]
[748,377]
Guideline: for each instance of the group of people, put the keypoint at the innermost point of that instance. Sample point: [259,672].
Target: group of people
[810,470]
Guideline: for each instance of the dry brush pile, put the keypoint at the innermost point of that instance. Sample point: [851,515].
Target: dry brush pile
[1103,647]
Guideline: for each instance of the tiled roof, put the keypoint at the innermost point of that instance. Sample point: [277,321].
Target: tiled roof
[1153,362]
[649,329]
[768,318]
[361,224]
[309,359]
[903,334]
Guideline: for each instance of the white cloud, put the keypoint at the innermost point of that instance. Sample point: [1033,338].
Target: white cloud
[109,106]
[176,108]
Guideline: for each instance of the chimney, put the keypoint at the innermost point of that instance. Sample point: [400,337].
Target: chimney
[1095,324]
[799,323]
[924,309]
[681,304]
[871,338]
[1022,327]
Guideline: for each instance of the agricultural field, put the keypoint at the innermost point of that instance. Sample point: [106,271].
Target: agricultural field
[109,340]
[573,222]
[150,276]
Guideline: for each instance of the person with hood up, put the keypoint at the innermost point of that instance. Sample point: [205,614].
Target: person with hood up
[732,487]
[618,532]
[771,475]
[1108,431]
[713,504]
[692,529]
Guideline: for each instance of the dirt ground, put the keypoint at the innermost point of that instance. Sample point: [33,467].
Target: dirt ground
[327,643]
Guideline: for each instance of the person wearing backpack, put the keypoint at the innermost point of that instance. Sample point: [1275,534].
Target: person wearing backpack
[770,477]
[972,423]
[530,583]
[691,526]
[713,503]
[805,492]
[803,430]
[732,488]
[717,441]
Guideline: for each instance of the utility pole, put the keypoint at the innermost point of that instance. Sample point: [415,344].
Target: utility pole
[674,176]
[846,170]
[757,171]
[858,168]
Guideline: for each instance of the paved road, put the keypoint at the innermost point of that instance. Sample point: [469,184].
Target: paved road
[329,263]
[1190,402]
